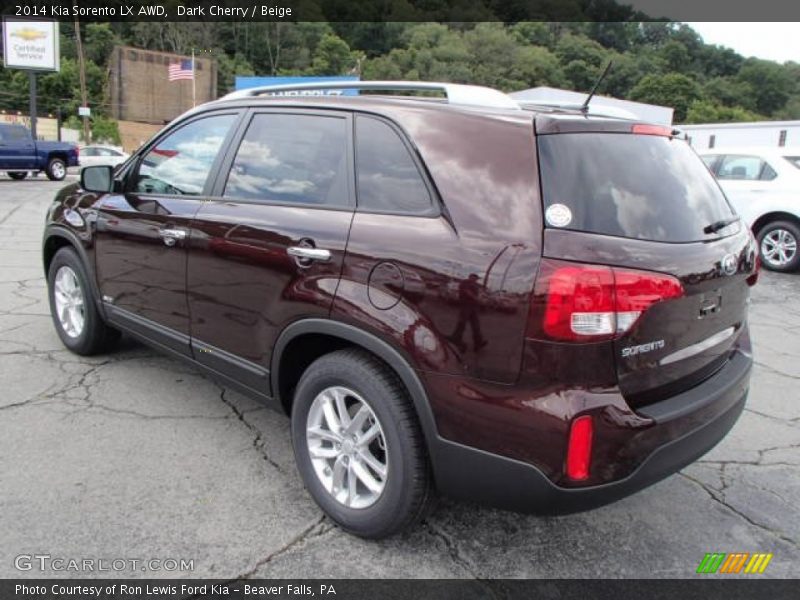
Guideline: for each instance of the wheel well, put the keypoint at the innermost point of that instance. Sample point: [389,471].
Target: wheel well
[60,155]
[297,356]
[53,244]
[774,216]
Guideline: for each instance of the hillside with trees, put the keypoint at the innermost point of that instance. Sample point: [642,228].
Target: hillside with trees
[657,62]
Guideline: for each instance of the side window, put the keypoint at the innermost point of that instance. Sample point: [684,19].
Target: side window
[19,134]
[180,163]
[291,158]
[709,160]
[746,168]
[88,151]
[387,176]
[767,173]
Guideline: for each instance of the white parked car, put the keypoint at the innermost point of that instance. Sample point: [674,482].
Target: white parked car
[96,154]
[763,184]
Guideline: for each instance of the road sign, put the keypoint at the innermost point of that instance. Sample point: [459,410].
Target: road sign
[84,111]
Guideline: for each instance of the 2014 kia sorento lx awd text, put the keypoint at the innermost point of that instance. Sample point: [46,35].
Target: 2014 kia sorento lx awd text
[538,308]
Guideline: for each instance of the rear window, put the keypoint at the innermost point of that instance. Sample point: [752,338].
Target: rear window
[635,186]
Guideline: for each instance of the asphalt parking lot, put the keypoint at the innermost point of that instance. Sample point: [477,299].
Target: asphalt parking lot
[136,456]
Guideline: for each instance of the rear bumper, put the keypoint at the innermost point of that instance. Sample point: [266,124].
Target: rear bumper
[685,427]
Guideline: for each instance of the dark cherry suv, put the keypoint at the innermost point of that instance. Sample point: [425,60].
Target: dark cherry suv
[538,308]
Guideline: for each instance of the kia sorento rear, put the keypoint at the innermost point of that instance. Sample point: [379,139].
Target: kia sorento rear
[637,342]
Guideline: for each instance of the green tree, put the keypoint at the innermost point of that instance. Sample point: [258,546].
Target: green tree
[535,33]
[99,41]
[105,131]
[228,67]
[537,66]
[626,71]
[675,57]
[493,54]
[580,48]
[771,83]
[730,91]
[673,89]
[718,61]
[790,111]
[705,111]
[332,56]
[581,75]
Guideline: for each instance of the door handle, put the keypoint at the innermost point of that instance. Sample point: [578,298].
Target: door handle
[304,252]
[171,236]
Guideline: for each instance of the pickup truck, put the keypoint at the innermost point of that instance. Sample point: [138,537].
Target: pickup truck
[20,153]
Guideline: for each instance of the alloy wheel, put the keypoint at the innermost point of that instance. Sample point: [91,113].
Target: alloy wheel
[347,447]
[778,247]
[69,301]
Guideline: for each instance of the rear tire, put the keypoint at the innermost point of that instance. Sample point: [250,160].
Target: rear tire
[778,246]
[73,308]
[18,175]
[56,169]
[376,505]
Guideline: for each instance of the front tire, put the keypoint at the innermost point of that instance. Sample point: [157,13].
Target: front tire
[18,175]
[358,445]
[72,306]
[777,243]
[56,169]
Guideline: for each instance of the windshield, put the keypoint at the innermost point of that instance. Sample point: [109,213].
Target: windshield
[637,186]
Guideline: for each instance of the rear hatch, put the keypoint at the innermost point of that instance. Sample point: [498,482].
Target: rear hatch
[638,199]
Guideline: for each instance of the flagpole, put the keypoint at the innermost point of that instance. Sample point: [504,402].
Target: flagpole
[194,83]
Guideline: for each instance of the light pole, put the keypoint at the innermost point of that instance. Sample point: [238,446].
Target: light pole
[82,72]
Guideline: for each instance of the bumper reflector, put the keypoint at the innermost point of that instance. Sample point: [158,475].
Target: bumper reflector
[579,449]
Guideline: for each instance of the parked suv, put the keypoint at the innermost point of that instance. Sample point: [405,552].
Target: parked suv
[539,309]
[20,153]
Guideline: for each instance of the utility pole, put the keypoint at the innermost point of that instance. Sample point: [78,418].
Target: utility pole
[82,71]
[194,82]
[32,102]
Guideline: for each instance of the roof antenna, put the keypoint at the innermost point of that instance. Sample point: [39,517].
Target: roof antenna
[585,107]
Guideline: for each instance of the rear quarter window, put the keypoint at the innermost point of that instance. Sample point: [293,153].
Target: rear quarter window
[387,176]
[635,186]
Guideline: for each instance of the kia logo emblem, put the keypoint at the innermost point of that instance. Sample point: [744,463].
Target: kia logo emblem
[730,264]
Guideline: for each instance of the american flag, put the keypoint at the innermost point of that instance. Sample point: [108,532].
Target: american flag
[180,69]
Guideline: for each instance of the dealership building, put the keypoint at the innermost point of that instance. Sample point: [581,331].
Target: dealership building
[756,133]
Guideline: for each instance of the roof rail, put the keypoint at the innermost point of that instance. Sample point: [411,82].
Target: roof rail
[457,93]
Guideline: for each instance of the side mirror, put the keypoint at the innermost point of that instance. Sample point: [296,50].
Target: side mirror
[98,179]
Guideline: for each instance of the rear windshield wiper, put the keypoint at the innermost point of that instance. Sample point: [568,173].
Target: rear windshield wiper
[721,224]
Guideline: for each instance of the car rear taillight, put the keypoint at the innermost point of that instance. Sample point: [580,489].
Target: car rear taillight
[577,302]
[579,448]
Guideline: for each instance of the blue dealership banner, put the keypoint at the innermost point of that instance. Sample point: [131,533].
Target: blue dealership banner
[246,82]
